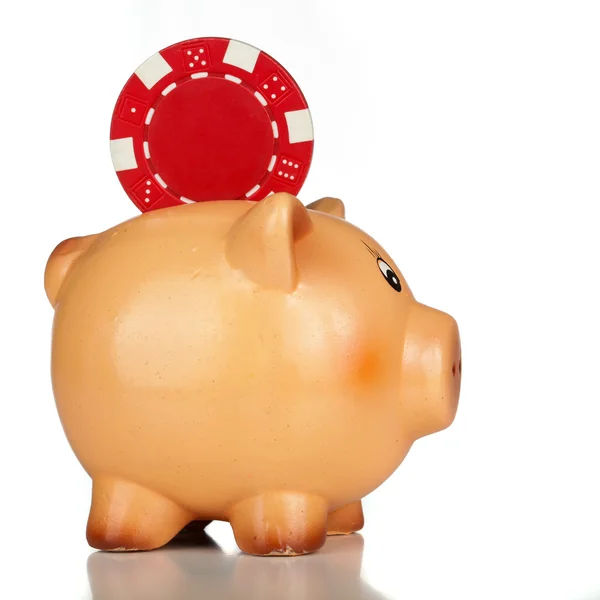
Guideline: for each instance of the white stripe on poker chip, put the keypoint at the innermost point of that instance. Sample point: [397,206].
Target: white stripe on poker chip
[146,150]
[149,116]
[270,194]
[160,180]
[241,55]
[275,129]
[300,126]
[199,75]
[233,78]
[272,163]
[261,98]
[153,70]
[123,154]
[253,191]
[169,88]
[186,200]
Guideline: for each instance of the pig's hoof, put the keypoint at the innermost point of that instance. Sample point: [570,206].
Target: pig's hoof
[280,524]
[126,517]
[345,520]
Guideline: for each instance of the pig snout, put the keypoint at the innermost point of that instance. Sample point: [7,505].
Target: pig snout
[431,370]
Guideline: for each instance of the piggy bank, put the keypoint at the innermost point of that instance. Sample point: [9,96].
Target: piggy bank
[261,363]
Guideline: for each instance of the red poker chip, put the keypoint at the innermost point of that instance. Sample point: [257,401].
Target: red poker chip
[210,119]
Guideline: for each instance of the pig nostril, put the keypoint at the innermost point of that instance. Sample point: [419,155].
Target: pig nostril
[454,369]
[460,366]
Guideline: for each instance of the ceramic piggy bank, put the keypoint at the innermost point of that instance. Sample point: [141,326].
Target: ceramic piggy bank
[261,363]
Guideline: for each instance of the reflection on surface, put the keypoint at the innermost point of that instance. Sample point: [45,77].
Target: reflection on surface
[185,570]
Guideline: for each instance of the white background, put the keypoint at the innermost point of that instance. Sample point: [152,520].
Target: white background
[465,137]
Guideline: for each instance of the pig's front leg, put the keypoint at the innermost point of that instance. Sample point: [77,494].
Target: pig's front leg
[345,520]
[276,523]
[127,517]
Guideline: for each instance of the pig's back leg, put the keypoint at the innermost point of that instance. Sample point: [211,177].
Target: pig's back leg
[127,517]
[274,523]
[345,520]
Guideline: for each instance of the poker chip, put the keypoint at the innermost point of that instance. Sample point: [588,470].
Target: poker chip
[210,119]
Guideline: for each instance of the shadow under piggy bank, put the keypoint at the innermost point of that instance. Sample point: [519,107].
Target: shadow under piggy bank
[186,571]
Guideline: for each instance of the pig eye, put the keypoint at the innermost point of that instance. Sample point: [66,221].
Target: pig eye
[385,269]
[389,274]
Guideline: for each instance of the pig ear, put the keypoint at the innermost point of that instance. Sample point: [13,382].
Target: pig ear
[60,262]
[262,242]
[331,206]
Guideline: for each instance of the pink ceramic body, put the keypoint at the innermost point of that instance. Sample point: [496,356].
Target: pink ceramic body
[229,359]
